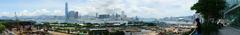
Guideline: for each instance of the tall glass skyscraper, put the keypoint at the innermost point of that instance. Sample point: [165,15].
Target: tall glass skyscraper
[66,11]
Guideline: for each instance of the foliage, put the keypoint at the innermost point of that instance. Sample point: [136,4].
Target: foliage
[117,33]
[210,8]
[209,28]
[89,25]
[2,27]
[150,24]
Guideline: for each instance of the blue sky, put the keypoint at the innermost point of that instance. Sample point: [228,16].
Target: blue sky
[132,8]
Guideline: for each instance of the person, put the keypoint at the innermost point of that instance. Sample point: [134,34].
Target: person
[198,24]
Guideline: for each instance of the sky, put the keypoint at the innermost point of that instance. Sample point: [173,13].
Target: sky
[132,8]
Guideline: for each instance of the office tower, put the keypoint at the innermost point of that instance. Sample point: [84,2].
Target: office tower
[66,11]
[73,14]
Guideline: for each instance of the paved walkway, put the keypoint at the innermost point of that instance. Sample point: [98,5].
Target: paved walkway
[229,31]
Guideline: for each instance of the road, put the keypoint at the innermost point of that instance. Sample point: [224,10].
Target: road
[229,31]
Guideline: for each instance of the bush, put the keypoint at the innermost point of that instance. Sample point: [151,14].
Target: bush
[209,28]
[2,27]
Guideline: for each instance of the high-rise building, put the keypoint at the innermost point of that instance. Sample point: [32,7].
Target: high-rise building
[104,16]
[70,14]
[66,11]
[73,14]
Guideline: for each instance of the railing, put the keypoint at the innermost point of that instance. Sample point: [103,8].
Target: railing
[193,32]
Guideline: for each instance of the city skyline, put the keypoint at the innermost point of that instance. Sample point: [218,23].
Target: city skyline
[132,8]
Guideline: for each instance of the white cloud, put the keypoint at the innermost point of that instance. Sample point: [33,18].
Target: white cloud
[142,8]
[34,12]
[6,14]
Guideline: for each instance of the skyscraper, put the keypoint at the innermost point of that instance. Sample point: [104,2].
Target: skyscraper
[66,11]
[70,14]
[73,14]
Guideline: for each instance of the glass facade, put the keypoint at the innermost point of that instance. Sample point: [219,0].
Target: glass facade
[233,13]
[234,17]
[232,3]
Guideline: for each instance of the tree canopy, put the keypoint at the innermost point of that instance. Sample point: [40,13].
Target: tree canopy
[210,8]
[2,27]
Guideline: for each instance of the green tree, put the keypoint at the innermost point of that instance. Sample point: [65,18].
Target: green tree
[210,8]
[211,11]
[2,27]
